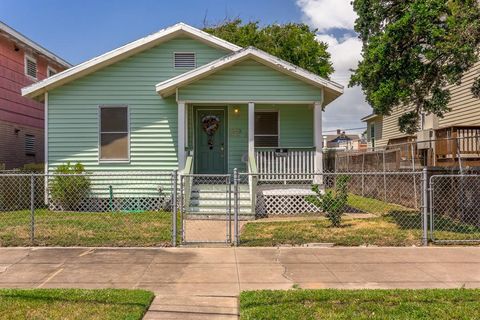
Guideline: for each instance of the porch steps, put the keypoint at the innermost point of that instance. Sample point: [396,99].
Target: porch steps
[210,201]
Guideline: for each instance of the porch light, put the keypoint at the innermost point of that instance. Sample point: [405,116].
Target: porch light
[236,110]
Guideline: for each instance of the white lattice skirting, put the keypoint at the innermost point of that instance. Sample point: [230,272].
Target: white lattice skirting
[284,200]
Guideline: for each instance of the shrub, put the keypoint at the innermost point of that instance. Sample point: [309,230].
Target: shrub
[333,202]
[69,186]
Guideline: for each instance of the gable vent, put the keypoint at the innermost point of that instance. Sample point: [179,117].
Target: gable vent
[31,67]
[184,60]
[29,145]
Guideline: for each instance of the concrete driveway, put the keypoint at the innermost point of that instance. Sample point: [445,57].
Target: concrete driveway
[204,283]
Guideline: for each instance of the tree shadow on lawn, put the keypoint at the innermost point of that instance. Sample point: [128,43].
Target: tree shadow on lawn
[412,220]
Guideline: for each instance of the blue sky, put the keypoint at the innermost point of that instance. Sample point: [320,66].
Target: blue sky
[79,30]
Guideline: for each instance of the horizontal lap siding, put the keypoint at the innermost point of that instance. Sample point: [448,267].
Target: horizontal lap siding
[249,81]
[237,137]
[465,108]
[73,124]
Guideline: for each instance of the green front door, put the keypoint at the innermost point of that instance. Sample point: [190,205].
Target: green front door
[210,140]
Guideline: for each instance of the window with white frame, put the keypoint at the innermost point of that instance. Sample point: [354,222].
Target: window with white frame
[114,133]
[372,134]
[184,60]
[29,145]
[30,67]
[266,129]
[51,72]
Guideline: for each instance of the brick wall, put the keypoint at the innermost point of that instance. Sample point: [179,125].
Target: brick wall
[12,145]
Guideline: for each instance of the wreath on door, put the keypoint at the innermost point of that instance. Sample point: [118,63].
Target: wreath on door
[210,124]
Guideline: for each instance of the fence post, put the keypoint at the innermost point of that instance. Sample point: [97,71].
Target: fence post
[175,209]
[425,206]
[235,206]
[32,208]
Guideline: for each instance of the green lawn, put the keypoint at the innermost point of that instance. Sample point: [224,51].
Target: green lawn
[390,225]
[69,304]
[380,231]
[86,229]
[360,304]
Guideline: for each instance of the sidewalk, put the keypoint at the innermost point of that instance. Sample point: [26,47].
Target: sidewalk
[204,283]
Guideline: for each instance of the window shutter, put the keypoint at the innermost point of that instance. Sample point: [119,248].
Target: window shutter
[184,60]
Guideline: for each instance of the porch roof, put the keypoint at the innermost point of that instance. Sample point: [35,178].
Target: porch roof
[332,90]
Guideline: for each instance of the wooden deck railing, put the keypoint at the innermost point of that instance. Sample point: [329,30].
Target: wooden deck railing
[294,163]
[455,142]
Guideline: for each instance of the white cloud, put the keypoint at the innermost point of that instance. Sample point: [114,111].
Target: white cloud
[328,14]
[346,111]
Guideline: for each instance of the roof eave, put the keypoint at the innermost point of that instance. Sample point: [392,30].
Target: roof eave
[123,52]
[169,86]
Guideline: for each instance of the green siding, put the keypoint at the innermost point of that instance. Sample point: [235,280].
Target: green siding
[249,81]
[237,137]
[73,110]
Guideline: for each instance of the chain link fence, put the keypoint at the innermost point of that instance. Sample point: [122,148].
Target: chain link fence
[114,209]
[455,208]
[140,209]
[382,209]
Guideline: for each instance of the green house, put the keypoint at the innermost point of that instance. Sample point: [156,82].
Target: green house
[183,99]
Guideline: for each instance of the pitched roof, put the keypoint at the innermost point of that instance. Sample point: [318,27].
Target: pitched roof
[332,89]
[121,53]
[30,43]
[369,117]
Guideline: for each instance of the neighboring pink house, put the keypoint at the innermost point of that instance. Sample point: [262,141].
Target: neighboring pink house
[22,62]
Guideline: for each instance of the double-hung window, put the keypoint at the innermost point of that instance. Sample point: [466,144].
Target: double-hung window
[266,129]
[114,133]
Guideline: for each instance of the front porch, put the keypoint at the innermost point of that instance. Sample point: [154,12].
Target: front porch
[275,141]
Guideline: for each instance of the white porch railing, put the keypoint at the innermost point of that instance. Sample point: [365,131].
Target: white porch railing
[293,164]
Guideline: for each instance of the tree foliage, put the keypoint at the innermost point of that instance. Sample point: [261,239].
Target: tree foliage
[333,202]
[412,51]
[292,42]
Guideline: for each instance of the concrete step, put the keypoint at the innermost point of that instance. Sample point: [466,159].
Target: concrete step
[216,210]
[201,202]
[218,187]
[217,195]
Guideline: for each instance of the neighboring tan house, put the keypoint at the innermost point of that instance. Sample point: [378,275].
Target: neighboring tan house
[184,99]
[456,135]
[343,141]
[22,62]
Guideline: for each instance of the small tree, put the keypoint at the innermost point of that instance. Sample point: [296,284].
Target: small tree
[333,202]
[69,186]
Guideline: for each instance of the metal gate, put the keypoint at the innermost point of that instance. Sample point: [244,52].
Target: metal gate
[455,208]
[205,203]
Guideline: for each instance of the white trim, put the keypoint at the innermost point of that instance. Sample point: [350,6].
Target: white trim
[25,67]
[33,45]
[167,87]
[251,128]
[318,140]
[181,116]
[45,144]
[103,161]
[222,102]
[122,53]
[49,68]
[184,68]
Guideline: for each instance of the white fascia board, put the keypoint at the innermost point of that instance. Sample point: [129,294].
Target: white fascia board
[169,86]
[33,45]
[121,53]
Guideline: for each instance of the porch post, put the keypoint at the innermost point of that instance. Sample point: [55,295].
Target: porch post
[181,135]
[251,128]
[318,138]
